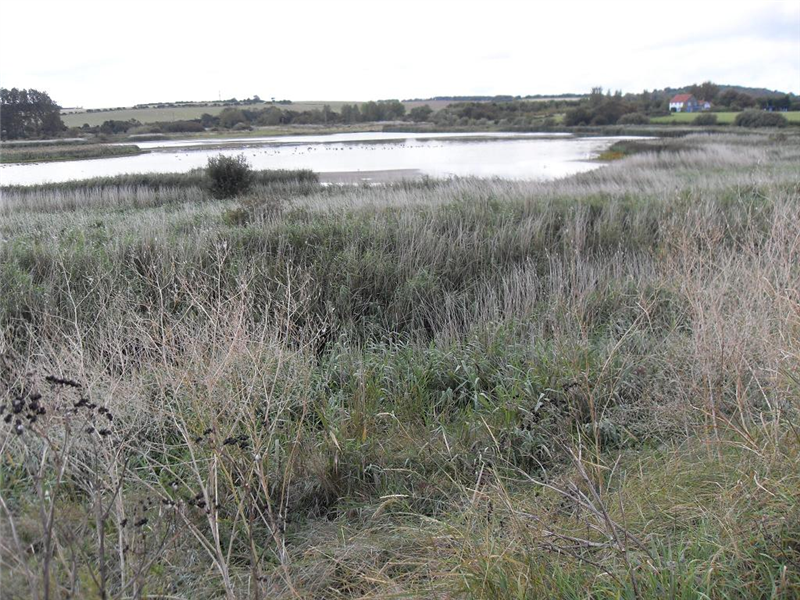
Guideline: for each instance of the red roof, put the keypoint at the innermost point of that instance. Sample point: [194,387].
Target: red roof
[681,98]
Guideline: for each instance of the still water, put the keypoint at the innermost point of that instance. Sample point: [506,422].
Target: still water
[348,157]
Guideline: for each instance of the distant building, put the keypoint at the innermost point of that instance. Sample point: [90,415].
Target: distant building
[684,103]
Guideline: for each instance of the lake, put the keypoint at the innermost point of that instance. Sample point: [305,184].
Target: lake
[349,157]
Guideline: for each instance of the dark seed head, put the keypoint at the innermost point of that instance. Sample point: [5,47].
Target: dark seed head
[60,381]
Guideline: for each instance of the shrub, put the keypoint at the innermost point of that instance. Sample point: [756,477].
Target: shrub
[182,127]
[760,118]
[228,176]
[112,126]
[420,113]
[705,119]
[577,116]
[229,117]
[634,119]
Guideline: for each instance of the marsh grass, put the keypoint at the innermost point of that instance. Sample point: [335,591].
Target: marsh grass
[49,153]
[490,389]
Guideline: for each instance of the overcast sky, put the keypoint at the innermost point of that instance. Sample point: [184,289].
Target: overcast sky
[122,52]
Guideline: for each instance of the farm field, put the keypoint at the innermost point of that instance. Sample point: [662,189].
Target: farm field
[725,118]
[150,115]
[479,389]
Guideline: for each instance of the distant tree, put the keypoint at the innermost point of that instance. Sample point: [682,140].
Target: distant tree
[580,115]
[229,117]
[391,109]
[707,91]
[272,115]
[370,111]
[776,102]
[112,126]
[420,113]
[596,96]
[208,120]
[760,118]
[350,113]
[736,100]
[600,109]
[28,114]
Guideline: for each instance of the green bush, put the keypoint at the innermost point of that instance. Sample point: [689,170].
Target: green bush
[228,176]
[705,119]
[760,118]
[182,127]
[229,117]
[634,119]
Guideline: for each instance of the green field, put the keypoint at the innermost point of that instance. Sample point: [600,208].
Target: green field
[723,118]
[181,113]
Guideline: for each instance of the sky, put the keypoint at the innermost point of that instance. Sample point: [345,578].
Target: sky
[112,53]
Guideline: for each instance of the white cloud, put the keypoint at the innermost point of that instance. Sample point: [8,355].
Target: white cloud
[124,52]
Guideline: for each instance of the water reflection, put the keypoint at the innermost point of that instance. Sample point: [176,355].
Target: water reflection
[512,156]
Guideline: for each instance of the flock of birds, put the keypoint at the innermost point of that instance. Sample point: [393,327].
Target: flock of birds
[300,150]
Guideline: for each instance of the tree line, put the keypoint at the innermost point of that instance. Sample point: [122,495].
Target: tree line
[607,108]
[28,114]
[382,110]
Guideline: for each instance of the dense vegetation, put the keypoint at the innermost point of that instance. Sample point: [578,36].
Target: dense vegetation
[54,152]
[634,109]
[28,114]
[482,389]
[759,118]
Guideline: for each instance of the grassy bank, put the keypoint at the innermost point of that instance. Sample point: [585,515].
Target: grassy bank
[482,389]
[58,152]
[723,118]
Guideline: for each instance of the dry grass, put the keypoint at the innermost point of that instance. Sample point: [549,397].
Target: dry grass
[489,389]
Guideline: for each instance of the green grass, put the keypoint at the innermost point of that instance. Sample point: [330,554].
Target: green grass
[723,118]
[484,389]
[59,152]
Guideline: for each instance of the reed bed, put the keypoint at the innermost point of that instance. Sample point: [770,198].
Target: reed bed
[484,389]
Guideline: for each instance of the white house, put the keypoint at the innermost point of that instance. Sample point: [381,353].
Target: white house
[684,103]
